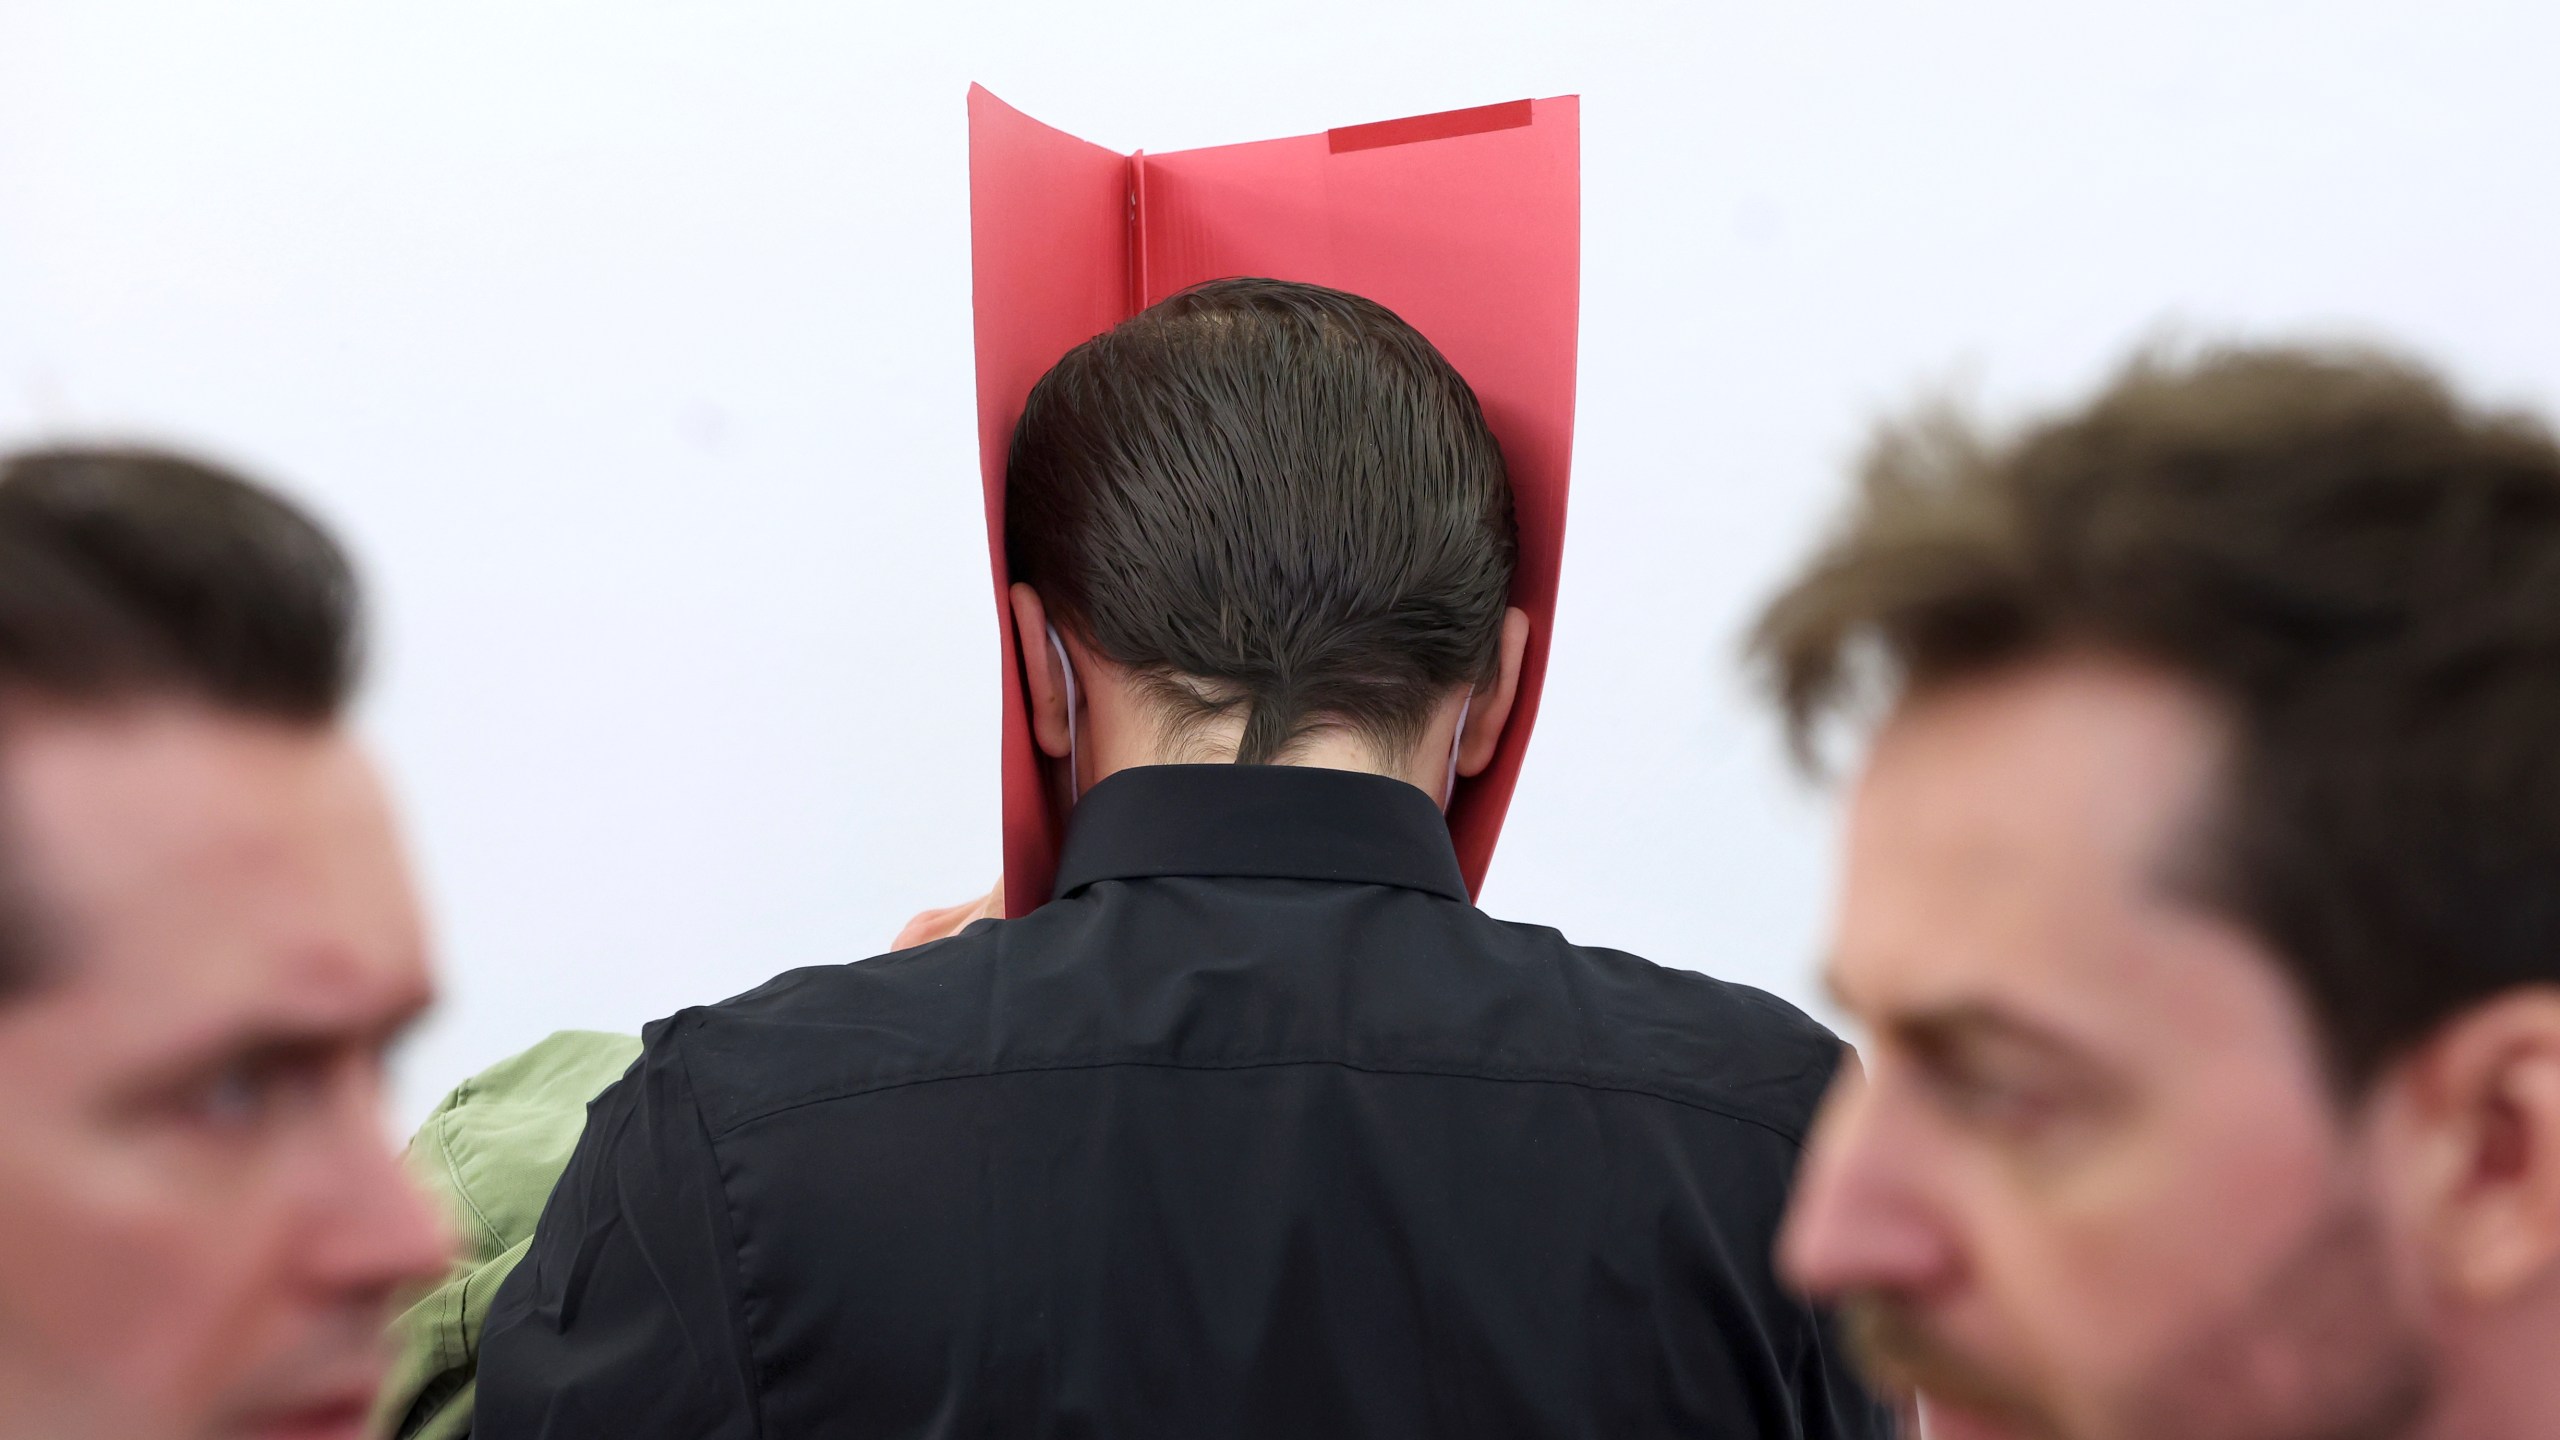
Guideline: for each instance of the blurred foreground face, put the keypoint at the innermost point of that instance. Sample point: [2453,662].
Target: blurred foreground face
[2094,1185]
[2200,906]
[201,1221]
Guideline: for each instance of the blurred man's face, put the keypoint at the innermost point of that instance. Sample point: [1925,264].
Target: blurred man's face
[201,1220]
[2093,1185]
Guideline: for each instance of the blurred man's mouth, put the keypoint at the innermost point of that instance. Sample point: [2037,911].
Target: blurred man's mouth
[335,1412]
[1962,1400]
[323,1388]
[1945,1420]
[339,1418]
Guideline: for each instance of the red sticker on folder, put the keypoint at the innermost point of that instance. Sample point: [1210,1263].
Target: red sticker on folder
[1466,223]
[1443,126]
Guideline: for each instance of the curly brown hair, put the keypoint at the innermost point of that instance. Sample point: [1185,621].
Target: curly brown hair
[2364,571]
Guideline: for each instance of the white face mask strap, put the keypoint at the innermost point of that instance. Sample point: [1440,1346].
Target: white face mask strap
[1449,786]
[1075,765]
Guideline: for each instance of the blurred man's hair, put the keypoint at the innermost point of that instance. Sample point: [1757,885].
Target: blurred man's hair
[1268,499]
[2365,574]
[131,575]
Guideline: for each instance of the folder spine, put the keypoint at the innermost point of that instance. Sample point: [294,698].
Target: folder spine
[1138,291]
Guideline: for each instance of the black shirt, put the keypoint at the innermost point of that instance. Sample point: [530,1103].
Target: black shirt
[1259,1129]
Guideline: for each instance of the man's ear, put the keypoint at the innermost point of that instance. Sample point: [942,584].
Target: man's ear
[1048,682]
[1490,709]
[2479,1107]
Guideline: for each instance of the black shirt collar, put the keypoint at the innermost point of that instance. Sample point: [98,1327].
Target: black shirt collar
[1290,822]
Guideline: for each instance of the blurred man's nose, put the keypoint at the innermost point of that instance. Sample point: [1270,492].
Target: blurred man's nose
[1858,1220]
[380,1231]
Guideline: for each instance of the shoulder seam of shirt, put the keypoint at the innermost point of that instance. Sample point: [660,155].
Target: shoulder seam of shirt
[1491,1073]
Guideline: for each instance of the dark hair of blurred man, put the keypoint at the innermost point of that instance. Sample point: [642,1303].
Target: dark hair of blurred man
[207,938]
[1259,1128]
[2202,902]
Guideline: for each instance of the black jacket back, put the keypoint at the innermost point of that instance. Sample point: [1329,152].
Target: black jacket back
[1209,1146]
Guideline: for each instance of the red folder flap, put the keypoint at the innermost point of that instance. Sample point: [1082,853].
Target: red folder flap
[1467,224]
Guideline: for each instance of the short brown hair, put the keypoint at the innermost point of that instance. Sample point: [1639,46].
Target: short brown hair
[130,574]
[1276,488]
[2364,570]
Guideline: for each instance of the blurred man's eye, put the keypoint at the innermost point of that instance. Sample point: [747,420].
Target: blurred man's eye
[234,1099]
[1997,1103]
[253,1092]
[2009,1102]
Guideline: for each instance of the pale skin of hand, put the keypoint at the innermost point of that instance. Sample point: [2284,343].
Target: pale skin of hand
[950,920]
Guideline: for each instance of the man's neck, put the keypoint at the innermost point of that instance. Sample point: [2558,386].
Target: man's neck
[1122,726]
[1326,749]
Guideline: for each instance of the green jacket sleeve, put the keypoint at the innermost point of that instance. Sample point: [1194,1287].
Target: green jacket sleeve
[489,1154]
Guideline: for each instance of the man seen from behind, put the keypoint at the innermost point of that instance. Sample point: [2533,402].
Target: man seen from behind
[1259,1127]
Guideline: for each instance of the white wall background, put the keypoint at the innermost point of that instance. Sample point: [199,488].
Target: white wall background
[629,345]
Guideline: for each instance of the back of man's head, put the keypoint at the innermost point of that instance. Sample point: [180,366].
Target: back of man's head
[1270,501]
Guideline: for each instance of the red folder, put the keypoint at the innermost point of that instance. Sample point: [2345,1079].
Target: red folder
[1467,224]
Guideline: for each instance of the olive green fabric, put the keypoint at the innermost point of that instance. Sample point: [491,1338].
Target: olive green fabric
[489,1154]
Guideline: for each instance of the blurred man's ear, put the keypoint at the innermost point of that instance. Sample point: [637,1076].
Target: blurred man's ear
[1048,682]
[1490,709]
[2480,1103]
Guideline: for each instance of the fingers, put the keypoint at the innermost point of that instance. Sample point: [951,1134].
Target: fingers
[950,920]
